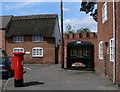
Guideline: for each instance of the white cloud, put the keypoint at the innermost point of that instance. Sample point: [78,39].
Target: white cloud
[65,9]
[84,22]
[7,7]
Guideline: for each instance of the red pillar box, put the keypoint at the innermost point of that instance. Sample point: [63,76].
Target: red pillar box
[13,62]
[18,68]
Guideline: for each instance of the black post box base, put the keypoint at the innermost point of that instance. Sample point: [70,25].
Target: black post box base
[18,83]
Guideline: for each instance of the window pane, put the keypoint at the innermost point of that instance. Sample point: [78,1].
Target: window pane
[112,49]
[18,50]
[101,49]
[18,38]
[37,52]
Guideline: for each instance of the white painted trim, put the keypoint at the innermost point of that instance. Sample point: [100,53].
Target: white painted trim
[112,39]
[18,48]
[37,55]
[104,15]
[37,36]
[100,43]
[16,40]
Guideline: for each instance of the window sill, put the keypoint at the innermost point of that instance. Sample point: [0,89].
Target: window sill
[101,58]
[112,61]
[37,41]
[37,56]
[104,21]
[18,42]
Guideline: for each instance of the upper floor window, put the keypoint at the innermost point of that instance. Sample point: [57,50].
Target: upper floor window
[101,50]
[104,12]
[18,38]
[37,52]
[37,38]
[18,50]
[112,48]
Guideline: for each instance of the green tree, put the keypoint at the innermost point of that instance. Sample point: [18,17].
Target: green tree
[70,29]
[81,30]
[4,53]
[88,6]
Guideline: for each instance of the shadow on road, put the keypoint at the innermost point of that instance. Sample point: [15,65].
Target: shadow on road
[33,83]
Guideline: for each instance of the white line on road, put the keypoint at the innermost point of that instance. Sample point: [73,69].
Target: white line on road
[27,68]
[4,87]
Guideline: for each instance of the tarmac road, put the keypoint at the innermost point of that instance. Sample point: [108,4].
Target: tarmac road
[52,77]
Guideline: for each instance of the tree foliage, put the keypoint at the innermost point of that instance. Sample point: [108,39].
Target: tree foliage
[81,30]
[4,53]
[88,6]
[72,29]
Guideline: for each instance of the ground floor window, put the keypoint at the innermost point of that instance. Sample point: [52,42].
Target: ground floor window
[18,50]
[37,52]
[101,50]
[112,48]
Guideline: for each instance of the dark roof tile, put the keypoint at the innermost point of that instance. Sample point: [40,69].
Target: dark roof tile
[4,20]
[32,25]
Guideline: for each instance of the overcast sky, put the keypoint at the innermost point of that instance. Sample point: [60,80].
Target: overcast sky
[72,14]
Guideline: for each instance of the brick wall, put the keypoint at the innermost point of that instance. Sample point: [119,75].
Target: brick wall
[2,39]
[118,41]
[74,37]
[105,32]
[48,46]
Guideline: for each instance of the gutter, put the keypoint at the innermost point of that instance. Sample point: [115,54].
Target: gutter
[114,42]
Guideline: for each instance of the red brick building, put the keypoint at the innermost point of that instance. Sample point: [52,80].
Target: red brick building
[109,40]
[5,20]
[36,35]
[86,37]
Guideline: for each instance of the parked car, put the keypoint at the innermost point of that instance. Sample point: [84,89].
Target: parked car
[5,64]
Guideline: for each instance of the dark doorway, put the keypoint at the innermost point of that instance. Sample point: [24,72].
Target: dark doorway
[56,54]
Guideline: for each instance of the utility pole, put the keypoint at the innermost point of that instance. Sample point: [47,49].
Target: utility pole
[62,48]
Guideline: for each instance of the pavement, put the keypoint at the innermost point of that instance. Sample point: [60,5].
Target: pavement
[52,77]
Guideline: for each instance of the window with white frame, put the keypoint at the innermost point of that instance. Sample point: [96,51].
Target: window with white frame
[18,50]
[37,38]
[104,12]
[112,48]
[101,50]
[37,52]
[18,38]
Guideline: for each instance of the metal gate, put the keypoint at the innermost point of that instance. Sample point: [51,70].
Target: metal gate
[80,55]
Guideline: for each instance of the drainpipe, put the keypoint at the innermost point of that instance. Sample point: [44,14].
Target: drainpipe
[114,42]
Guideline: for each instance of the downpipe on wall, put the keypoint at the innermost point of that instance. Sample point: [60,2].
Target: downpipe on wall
[114,37]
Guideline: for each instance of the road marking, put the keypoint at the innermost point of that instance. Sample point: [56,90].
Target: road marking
[4,86]
[27,68]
